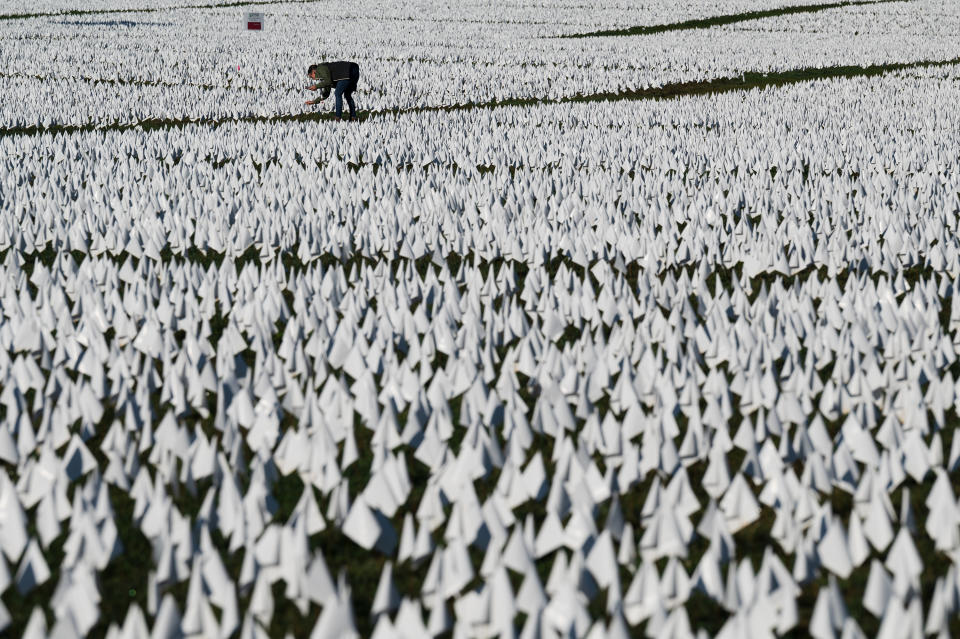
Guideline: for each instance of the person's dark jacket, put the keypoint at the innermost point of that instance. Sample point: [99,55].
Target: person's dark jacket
[329,73]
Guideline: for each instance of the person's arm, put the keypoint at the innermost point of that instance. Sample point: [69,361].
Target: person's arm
[322,84]
[324,94]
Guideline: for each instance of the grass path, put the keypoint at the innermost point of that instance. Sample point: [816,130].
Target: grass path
[744,82]
[732,18]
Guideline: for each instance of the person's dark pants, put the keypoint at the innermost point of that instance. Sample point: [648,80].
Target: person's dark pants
[345,89]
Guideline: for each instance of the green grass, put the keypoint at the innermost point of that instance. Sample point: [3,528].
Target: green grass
[731,18]
[745,82]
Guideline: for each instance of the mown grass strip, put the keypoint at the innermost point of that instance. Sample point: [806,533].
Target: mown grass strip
[746,81]
[731,18]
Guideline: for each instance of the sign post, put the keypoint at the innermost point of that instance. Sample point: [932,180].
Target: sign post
[254,21]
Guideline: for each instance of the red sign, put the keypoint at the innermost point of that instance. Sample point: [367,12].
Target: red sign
[254,26]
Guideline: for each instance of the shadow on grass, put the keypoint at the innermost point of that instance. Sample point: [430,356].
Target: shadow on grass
[731,18]
[744,82]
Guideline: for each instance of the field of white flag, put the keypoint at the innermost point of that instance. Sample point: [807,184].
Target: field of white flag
[607,321]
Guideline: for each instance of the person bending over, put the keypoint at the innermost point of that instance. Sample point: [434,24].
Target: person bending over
[341,77]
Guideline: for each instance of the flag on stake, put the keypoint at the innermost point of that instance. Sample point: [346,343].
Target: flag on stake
[254,21]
